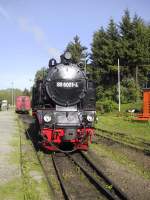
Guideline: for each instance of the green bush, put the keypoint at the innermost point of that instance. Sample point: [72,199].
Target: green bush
[106,105]
[129,91]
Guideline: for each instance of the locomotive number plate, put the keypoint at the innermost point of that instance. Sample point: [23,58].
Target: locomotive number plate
[67,84]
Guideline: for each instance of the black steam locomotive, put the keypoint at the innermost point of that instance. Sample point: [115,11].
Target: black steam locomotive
[63,104]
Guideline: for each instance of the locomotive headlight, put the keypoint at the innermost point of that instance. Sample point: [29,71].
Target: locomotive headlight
[47,118]
[90,118]
[67,55]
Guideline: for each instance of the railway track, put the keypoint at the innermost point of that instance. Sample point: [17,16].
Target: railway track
[121,138]
[81,179]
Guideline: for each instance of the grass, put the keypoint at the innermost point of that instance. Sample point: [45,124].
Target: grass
[12,190]
[124,124]
[14,156]
[128,106]
[31,184]
[34,184]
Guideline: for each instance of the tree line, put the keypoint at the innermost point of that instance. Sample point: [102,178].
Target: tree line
[11,94]
[128,41]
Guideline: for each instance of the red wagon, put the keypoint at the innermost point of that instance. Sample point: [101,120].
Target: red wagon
[23,104]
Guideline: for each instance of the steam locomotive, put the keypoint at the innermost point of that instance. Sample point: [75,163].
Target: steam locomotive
[63,105]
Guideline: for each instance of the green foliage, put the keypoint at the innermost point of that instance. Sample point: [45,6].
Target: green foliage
[99,92]
[96,74]
[129,91]
[106,105]
[40,74]
[76,50]
[130,42]
[120,124]
[130,106]
[100,56]
[7,94]
[104,55]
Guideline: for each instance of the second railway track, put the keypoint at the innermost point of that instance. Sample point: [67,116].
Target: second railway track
[81,179]
[123,139]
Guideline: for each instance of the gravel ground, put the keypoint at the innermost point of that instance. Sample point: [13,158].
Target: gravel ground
[132,154]
[133,184]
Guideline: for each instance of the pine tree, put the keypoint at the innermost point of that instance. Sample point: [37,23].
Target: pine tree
[100,54]
[76,49]
[130,42]
[113,49]
[114,39]
[126,34]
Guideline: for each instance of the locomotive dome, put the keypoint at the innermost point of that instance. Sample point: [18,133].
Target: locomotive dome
[66,84]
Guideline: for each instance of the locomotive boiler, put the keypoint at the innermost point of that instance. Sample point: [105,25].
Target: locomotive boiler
[63,104]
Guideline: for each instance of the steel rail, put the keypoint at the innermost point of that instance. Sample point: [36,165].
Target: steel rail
[118,142]
[145,150]
[116,189]
[122,134]
[98,185]
[63,187]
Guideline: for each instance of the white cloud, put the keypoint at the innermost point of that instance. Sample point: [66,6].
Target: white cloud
[36,30]
[38,33]
[39,36]
[4,13]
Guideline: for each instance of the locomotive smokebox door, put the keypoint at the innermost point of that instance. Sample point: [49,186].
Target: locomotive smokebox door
[70,134]
[66,85]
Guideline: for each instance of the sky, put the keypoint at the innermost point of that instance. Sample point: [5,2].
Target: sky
[33,31]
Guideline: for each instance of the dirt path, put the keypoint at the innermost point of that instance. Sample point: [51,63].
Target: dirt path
[10,176]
